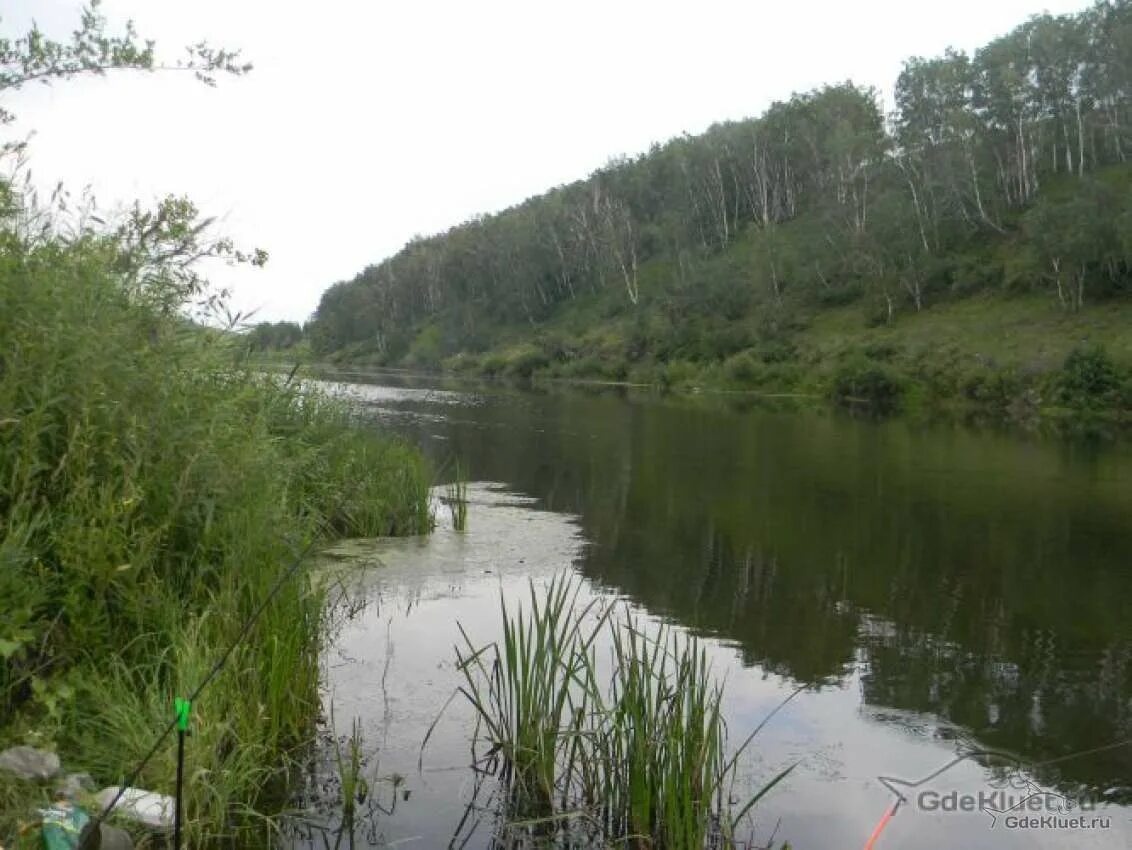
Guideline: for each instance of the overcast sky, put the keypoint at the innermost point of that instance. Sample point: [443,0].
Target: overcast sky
[367,122]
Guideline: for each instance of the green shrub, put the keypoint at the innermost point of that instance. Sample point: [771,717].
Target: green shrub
[493,364]
[840,296]
[588,366]
[154,489]
[990,386]
[525,362]
[879,312]
[938,370]
[1089,378]
[868,382]
[646,372]
[614,369]
[556,348]
[425,350]
[680,373]
[881,350]
[462,362]
[742,368]
[778,350]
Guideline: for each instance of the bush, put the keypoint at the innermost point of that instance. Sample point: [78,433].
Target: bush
[646,372]
[154,488]
[989,386]
[868,382]
[971,273]
[881,350]
[840,296]
[1089,379]
[556,348]
[879,312]
[524,362]
[462,362]
[680,373]
[742,368]
[425,350]
[777,351]
[493,364]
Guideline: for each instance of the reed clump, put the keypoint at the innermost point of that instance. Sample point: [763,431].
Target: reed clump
[456,497]
[601,725]
[152,488]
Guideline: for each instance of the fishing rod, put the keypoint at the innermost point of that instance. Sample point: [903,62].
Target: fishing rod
[91,837]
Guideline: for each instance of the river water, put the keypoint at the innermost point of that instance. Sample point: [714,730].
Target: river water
[955,607]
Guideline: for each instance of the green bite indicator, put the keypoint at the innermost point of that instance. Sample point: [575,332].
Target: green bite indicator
[182,707]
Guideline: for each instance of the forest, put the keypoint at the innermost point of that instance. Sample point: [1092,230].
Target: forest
[1003,173]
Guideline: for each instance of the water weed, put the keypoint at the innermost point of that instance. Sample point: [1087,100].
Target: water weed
[629,748]
[456,497]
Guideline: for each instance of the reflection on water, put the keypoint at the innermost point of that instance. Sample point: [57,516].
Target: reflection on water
[390,659]
[936,589]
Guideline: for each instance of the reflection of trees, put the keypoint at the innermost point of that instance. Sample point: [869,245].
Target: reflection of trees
[975,577]
[1046,704]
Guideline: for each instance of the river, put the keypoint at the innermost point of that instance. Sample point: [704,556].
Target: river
[935,593]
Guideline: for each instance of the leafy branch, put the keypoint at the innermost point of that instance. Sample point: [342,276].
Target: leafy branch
[35,58]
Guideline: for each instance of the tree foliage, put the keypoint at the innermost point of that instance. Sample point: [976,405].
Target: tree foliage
[821,199]
[274,336]
[33,57]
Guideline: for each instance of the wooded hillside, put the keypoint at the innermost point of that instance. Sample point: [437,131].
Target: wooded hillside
[1002,171]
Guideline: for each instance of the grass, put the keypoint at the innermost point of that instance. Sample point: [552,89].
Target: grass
[530,695]
[639,760]
[1026,331]
[456,497]
[152,487]
[986,355]
[353,786]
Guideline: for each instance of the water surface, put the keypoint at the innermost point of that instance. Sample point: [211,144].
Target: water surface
[934,590]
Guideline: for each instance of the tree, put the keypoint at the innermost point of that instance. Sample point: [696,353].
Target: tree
[269,336]
[820,197]
[1077,239]
[33,57]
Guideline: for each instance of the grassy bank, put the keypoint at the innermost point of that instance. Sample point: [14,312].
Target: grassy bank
[152,488]
[1020,358]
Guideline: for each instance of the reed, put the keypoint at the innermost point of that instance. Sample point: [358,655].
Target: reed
[152,486]
[352,784]
[530,693]
[456,497]
[639,756]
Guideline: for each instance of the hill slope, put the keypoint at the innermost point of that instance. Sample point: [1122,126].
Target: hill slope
[822,246]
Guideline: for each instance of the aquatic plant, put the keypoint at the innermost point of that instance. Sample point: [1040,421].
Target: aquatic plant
[352,784]
[638,755]
[530,692]
[456,497]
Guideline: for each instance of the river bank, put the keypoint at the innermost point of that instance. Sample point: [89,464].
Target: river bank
[154,489]
[1010,359]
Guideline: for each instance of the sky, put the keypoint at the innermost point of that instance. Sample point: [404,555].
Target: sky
[368,122]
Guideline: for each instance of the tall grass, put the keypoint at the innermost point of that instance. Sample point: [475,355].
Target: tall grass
[456,497]
[639,758]
[659,749]
[151,490]
[353,786]
[531,692]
